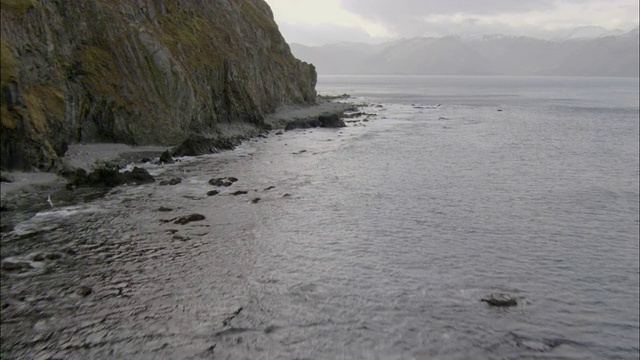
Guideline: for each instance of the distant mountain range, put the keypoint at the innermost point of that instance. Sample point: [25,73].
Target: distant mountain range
[582,52]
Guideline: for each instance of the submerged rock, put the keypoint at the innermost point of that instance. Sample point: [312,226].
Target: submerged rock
[84,291]
[172,181]
[16,266]
[500,300]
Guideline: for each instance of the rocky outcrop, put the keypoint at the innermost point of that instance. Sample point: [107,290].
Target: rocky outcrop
[139,72]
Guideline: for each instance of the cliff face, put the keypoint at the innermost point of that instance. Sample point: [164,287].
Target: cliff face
[139,72]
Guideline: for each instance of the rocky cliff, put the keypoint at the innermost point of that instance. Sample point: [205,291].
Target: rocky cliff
[140,72]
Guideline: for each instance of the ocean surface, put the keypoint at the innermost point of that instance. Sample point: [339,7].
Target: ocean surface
[374,241]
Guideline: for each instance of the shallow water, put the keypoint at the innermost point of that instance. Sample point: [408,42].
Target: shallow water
[392,231]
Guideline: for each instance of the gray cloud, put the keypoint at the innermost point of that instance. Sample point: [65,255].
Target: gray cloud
[407,17]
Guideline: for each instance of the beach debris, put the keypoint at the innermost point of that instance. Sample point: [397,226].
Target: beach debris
[500,300]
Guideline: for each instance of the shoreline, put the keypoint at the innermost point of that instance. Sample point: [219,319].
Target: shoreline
[29,187]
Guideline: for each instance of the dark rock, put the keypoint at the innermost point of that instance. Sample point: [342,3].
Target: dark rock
[325,120]
[500,300]
[53,256]
[286,195]
[269,188]
[197,144]
[302,124]
[108,176]
[213,192]
[166,158]
[189,218]
[181,238]
[255,201]
[239,192]
[138,176]
[279,133]
[331,121]
[172,181]
[84,291]
[353,115]
[145,160]
[222,181]
[6,178]
[38,257]
[16,266]
[164,209]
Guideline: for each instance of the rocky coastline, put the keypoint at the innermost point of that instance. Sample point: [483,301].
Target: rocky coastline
[100,165]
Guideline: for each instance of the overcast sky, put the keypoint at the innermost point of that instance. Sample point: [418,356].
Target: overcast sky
[317,22]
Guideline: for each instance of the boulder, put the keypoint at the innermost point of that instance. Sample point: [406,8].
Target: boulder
[4,177]
[166,158]
[331,121]
[197,144]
